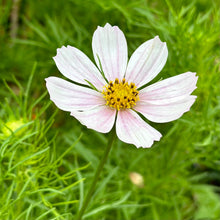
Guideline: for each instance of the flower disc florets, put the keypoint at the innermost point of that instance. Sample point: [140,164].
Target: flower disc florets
[120,94]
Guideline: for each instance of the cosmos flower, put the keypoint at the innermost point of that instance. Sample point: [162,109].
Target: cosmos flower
[114,92]
[137,179]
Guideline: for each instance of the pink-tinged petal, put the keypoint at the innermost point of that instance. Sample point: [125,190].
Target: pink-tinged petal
[132,129]
[110,47]
[146,62]
[165,112]
[68,96]
[173,88]
[168,99]
[76,66]
[100,118]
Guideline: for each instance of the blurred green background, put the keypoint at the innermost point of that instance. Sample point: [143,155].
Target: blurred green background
[47,158]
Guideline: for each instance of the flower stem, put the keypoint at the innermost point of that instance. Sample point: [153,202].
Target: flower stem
[97,174]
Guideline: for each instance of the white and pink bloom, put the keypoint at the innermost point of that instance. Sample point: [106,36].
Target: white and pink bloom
[110,92]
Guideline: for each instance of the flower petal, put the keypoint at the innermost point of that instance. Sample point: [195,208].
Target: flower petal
[68,96]
[173,87]
[146,62]
[168,99]
[100,118]
[110,47]
[165,112]
[132,129]
[76,66]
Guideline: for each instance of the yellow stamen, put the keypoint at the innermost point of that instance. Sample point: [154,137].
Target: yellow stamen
[120,94]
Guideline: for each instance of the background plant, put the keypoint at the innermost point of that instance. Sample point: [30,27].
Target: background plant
[48,160]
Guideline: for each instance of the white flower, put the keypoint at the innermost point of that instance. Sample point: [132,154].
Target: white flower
[117,97]
[137,179]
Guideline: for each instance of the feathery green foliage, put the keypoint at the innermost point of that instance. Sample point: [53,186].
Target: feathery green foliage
[47,158]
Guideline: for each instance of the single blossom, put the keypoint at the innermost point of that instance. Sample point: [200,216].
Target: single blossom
[114,92]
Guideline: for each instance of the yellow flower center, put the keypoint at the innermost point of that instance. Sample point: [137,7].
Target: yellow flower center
[120,94]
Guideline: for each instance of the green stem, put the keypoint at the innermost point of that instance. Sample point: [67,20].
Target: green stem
[97,174]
